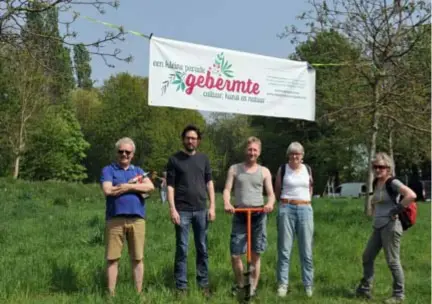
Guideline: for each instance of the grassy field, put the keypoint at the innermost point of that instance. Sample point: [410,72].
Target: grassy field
[51,241]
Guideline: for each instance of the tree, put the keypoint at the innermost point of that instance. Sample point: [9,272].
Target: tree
[14,15]
[57,147]
[23,103]
[50,53]
[82,66]
[87,104]
[385,33]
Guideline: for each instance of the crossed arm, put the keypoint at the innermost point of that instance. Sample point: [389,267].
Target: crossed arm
[144,187]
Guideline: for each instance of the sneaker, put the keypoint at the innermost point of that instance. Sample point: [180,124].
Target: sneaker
[361,292]
[282,290]
[394,300]
[236,289]
[309,291]
[253,292]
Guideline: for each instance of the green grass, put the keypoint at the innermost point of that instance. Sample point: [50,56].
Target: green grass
[51,241]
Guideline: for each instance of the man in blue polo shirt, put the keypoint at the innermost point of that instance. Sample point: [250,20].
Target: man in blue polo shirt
[123,185]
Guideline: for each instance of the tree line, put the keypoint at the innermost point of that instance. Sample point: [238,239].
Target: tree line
[373,93]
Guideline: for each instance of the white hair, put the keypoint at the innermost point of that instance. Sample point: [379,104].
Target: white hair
[125,141]
[295,147]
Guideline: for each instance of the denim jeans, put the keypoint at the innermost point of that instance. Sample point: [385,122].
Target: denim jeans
[199,222]
[295,220]
[389,239]
[239,233]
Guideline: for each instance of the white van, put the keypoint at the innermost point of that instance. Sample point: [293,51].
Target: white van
[350,190]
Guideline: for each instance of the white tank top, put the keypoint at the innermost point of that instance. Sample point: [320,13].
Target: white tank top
[295,185]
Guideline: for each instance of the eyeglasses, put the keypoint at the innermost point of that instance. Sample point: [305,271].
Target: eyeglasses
[380,167]
[191,138]
[121,152]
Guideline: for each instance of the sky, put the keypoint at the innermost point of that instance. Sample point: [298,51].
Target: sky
[243,25]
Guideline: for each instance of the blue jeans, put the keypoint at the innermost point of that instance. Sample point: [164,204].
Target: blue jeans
[294,221]
[199,221]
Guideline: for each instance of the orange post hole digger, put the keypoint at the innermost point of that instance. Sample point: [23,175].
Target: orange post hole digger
[247,274]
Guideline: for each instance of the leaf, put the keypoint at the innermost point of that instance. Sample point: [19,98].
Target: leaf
[224,67]
[183,86]
[228,67]
[228,74]
[165,86]
[222,63]
[178,87]
[177,81]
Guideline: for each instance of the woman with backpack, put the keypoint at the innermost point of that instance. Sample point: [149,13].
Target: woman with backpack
[387,227]
[293,187]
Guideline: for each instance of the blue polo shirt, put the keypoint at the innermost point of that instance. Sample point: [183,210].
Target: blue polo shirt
[127,204]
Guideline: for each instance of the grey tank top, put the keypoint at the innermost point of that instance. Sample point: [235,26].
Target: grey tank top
[248,187]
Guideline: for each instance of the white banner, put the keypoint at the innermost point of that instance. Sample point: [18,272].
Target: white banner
[192,76]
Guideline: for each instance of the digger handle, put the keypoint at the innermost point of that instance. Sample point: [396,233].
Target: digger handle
[248,212]
[254,209]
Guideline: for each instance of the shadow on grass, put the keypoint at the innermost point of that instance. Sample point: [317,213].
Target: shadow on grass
[63,279]
[99,277]
[164,277]
[98,225]
[338,292]
[97,239]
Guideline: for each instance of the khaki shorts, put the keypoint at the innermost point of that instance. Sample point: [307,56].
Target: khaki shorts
[115,231]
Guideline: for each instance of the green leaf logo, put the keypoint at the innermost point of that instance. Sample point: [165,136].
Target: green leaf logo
[222,66]
[177,78]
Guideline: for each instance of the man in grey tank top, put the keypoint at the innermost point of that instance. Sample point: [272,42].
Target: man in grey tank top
[249,178]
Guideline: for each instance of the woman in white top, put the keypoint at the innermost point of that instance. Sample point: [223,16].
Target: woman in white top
[295,217]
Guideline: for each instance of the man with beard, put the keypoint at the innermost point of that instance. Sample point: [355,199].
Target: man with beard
[125,212]
[189,179]
[249,179]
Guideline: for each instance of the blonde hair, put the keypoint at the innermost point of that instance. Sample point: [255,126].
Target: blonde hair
[125,141]
[382,157]
[295,147]
[253,140]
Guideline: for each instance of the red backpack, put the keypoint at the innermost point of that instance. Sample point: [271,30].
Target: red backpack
[408,216]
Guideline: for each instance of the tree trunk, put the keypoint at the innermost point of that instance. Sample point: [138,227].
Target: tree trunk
[21,146]
[390,143]
[16,166]
[372,149]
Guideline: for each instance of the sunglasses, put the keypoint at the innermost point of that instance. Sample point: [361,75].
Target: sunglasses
[121,152]
[380,167]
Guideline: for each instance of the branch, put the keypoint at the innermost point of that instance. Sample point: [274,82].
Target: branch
[413,127]
[345,109]
[24,7]
[13,15]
